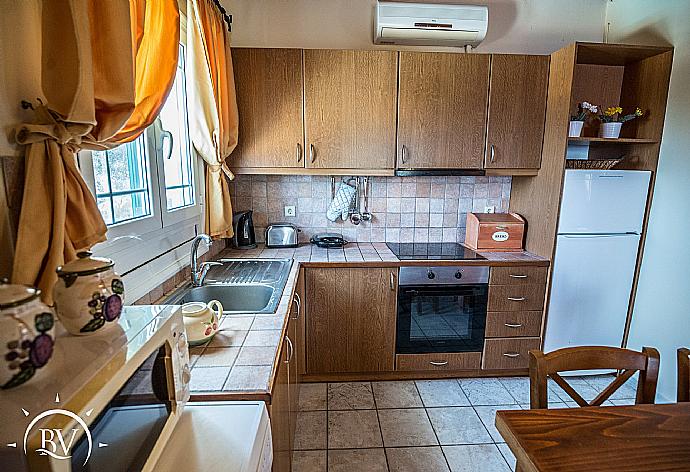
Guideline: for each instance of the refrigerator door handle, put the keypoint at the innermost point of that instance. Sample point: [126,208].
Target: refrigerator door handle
[594,236]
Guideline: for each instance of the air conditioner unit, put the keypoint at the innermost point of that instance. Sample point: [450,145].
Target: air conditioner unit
[426,24]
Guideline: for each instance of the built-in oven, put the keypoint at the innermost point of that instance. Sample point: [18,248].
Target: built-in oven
[441,309]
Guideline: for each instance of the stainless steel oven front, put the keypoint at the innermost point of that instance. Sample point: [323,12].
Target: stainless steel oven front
[442,309]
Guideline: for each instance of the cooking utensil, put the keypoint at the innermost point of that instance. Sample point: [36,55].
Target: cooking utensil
[366,216]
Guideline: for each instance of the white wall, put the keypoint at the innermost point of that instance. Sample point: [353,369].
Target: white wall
[662,309]
[515,26]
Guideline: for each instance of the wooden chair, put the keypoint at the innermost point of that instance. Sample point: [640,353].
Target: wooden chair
[684,374]
[542,366]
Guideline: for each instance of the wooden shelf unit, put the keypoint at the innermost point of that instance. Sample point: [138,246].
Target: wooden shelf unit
[607,75]
[613,141]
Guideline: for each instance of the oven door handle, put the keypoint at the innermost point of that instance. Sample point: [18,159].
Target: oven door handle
[438,364]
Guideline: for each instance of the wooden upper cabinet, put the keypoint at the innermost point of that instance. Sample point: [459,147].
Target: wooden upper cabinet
[517,108]
[442,110]
[268,84]
[350,101]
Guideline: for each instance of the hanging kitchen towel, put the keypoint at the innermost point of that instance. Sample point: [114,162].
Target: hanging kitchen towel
[342,202]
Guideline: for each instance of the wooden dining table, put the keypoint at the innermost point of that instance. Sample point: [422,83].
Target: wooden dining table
[611,438]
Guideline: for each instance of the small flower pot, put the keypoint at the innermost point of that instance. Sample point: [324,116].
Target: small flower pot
[610,130]
[575,130]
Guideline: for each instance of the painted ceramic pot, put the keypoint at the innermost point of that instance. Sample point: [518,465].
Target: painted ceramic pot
[88,295]
[27,328]
[201,320]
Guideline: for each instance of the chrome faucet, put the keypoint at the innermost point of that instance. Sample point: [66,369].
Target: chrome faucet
[199,270]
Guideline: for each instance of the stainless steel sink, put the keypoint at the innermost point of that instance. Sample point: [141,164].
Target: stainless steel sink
[240,285]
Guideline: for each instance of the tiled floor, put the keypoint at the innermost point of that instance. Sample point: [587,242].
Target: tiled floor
[424,425]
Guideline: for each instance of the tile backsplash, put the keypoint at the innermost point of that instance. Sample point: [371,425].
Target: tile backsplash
[405,209]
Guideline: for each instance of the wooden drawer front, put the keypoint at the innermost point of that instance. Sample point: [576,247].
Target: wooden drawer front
[519,275]
[508,353]
[511,324]
[516,297]
[442,361]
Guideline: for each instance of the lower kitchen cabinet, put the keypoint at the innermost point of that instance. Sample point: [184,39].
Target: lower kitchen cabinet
[440,361]
[350,320]
[508,353]
[281,428]
[285,399]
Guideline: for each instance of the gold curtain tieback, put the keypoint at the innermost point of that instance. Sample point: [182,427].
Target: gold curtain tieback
[50,125]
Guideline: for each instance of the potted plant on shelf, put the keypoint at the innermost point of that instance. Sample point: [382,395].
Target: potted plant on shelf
[612,120]
[577,120]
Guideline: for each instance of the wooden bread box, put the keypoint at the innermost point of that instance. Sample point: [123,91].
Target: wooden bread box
[495,231]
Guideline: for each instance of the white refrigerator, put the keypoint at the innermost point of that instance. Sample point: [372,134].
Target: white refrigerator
[599,229]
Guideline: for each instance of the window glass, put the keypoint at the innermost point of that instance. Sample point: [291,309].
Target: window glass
[122,181]
[176,145]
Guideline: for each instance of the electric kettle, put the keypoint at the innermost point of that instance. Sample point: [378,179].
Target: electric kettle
[243,225]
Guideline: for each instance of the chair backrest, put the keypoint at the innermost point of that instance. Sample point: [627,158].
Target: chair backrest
[684,374]
[542,366]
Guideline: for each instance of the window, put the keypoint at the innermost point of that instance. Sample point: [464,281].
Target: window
[179,179]
[148,191]
[123,186]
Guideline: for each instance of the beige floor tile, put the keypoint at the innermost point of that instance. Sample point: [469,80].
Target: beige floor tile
[486,391]
[507,455]
[474,458]
[416,459]
[309,461]
[310,432]
[488,416]
[445,392]
[458,425]
[408,427]
[350,396]
[353,429]
[396,395]
[312,397]
[357,460]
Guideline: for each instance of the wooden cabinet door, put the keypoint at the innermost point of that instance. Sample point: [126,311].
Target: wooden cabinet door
[517,109]
[350,101]
[299,308]
[442,110]
[268,85]
[350,320]
[280,415]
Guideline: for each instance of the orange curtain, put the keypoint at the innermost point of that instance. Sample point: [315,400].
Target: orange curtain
[107,68]
[213,108]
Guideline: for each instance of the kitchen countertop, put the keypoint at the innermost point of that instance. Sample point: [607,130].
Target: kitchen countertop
[238,363]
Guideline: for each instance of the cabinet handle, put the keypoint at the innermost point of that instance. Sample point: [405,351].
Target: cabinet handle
[511,354]
[513,325]
[403,154]
[312,154]
[438,363]
[296,301]
[493,153]
[290,349]
[392,281]
[299,152]
[517,276]
[517,299]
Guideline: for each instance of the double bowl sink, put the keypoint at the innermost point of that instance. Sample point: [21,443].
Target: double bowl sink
[240,285]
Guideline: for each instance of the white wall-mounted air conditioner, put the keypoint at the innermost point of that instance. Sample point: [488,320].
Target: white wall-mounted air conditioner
[426,24]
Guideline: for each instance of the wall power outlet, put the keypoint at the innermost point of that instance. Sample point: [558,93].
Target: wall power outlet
[290,210]
[490,209]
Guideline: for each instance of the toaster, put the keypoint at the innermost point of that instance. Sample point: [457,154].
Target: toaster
[281,235]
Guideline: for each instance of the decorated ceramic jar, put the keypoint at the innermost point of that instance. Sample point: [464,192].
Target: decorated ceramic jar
[88,294]
[26,334]
[201,320]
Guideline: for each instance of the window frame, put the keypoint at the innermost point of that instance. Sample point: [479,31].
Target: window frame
[150,249]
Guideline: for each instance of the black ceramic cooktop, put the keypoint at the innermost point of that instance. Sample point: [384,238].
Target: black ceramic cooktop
[433,251]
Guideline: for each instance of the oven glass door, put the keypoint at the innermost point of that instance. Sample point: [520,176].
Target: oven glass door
[131,423]
[441,318]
